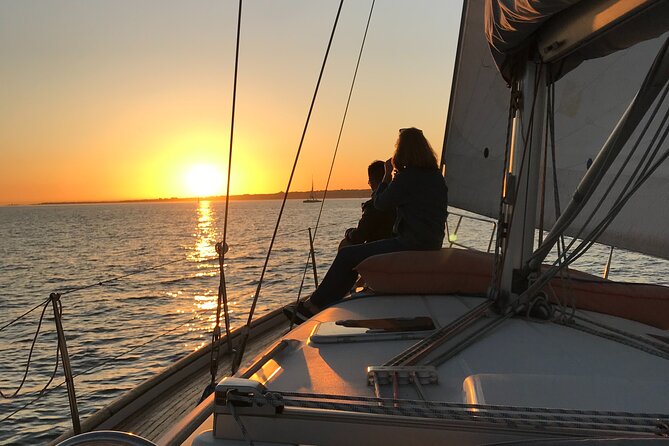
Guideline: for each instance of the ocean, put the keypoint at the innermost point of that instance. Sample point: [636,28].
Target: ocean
[151,279]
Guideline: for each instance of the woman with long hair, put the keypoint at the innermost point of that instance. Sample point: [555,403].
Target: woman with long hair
[419,195]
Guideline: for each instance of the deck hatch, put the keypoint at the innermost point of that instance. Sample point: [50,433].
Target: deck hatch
[372,330]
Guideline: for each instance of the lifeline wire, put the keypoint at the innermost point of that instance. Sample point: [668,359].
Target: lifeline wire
[24,314]
[113,279]
[245,335]
[46,391]
[334,156]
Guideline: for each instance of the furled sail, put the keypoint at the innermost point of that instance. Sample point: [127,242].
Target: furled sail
[588,103]
[567,32]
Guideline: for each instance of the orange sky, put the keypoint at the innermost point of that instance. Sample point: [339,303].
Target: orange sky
[120,100]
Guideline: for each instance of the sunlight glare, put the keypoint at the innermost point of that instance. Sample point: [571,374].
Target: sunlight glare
[204,180]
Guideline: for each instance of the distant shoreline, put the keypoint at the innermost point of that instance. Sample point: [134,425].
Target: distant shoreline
[341,193]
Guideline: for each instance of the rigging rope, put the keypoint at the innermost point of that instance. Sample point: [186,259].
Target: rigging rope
[334,155]
[245,333]
[30,354]
[113,279]
[221,248]
[618,174]
[46,391]
[568,257]
[24,314]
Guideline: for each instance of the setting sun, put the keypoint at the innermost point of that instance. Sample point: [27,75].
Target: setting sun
[204,180]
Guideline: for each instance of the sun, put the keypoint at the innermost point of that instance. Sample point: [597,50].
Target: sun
[203,180]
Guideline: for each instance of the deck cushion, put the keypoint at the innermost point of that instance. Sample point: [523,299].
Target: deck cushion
[466,272]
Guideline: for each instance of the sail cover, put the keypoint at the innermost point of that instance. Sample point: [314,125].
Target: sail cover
[588,103]
[594,28]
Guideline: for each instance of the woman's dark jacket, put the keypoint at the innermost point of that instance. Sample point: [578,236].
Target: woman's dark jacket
[421,199]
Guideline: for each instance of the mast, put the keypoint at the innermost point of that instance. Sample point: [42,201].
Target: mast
[520,191]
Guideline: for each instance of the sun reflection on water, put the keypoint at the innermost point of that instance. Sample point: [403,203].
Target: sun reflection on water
[205,237]
[205,301]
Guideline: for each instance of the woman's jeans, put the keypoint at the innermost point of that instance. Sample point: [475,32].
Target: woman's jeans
[341,276]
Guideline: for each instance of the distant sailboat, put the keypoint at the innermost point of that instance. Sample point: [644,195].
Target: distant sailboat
[312,197]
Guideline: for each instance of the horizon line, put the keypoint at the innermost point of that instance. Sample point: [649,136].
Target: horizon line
[350,193]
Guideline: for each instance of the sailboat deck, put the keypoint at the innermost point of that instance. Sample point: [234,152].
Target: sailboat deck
[158,416]
[521,362]
[152,409]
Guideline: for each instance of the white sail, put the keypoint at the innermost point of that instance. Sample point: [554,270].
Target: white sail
[589,102]
[474,143]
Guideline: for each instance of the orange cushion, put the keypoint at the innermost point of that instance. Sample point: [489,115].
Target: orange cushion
[465,272]
[446,271]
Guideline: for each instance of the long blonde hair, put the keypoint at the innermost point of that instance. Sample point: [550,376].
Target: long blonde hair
[413,150]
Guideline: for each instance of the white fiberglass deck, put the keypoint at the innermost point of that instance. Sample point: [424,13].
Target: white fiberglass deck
[521,362]
[538,380]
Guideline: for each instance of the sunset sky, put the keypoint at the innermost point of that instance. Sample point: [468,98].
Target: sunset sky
[128,99]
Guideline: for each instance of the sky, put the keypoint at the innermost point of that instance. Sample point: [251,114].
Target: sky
[131,99]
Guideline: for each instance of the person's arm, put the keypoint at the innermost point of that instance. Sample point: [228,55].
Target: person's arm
[366,224]
[393,194]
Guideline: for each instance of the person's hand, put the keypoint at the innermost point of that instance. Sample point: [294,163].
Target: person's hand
[388,176]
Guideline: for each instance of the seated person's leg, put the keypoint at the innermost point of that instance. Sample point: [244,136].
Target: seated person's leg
[342,276]
[344,243]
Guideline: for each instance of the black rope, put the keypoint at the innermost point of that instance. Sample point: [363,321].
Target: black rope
[48,391]
[334,155]
[606,221]
[113,279]
[221,249]
[244,337]
[24,314]
[625,193]
[622,168]
[556,191]
[30,355]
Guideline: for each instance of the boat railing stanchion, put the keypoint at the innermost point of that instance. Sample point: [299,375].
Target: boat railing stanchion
[607,267]
[454,237]
[67,369]
[492,235]
[313,257]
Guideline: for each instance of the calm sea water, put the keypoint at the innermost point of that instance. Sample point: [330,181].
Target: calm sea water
[111,327]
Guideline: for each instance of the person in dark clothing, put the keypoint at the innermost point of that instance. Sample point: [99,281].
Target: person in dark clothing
[374,223]
[418,192]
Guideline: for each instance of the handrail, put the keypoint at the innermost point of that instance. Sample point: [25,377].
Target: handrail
[452,237]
